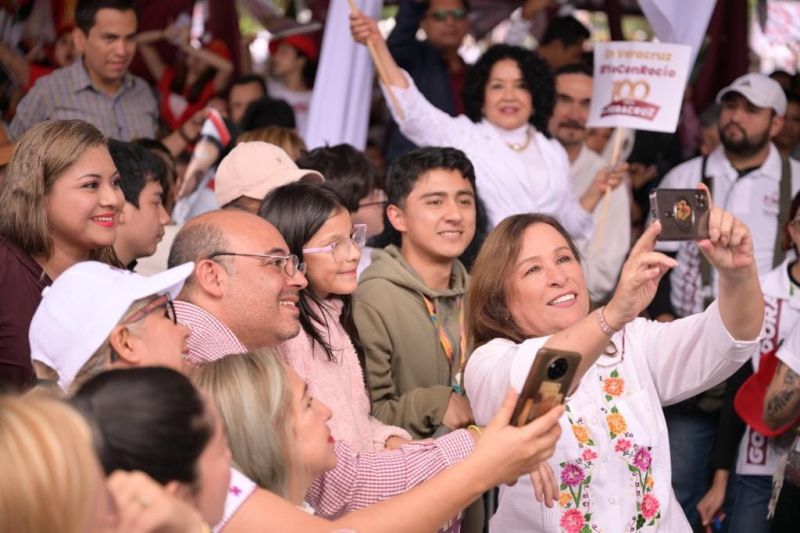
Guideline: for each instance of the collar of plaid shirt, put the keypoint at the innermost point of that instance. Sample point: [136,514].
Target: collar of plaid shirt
[210,338]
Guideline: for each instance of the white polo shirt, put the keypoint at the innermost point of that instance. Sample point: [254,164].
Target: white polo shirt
[753,198]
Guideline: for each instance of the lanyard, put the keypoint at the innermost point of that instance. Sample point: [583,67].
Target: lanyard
[447,345]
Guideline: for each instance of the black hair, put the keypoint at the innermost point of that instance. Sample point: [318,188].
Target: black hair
[298,210]
[150,419]
[268,111]
[247,79]
[137,167]
[309,71]
[406,170]
[566,29]
[347,171]
[86,11]
[535,73]
[465,3]
[574,68]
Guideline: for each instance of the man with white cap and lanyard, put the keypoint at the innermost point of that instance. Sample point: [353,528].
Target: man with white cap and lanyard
[748,177]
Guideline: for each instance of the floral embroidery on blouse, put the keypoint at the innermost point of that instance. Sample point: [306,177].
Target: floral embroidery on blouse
[576,475]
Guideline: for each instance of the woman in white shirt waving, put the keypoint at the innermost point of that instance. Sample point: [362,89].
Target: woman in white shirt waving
[612,461]
[508,94]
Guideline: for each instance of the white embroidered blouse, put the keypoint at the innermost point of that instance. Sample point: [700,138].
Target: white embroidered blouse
[612,461]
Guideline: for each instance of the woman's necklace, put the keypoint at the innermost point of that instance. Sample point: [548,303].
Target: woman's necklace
[518,147]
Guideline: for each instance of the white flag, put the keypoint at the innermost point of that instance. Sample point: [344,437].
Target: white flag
[339,110]
[679,21]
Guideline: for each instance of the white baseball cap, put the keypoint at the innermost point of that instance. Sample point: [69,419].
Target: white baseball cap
[79,310]
[760,90]
[255,168]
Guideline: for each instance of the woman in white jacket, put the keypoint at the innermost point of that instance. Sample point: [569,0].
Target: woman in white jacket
[508,101]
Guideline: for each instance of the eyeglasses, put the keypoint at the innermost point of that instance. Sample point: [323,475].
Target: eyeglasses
[164,301]
[340,248]
[440,15]
[290,264]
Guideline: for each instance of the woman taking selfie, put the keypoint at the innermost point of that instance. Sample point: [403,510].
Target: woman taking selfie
[60,201]
[508,99]
[612,460]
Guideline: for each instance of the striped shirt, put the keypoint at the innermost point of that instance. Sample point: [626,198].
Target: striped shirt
[68,93]
[210,339]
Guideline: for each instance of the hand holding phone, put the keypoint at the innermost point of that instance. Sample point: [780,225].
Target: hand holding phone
[547,384]
[683,213]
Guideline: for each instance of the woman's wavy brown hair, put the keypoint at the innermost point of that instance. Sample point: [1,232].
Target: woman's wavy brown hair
[40,157]
[487,313]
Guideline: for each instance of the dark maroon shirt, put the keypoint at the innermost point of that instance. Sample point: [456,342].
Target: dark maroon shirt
[21,283]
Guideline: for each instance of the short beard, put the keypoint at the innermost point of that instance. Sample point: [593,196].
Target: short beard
[746,147]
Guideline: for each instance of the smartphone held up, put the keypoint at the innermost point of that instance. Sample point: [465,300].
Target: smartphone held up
[548,382]
[683,213]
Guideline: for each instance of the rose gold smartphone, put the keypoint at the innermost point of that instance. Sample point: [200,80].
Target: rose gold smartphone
[547,385]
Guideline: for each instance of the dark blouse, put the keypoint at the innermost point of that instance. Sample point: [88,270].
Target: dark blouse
[21,283]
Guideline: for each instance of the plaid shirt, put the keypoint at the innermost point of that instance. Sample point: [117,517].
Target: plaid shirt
[210,339]
[369,477]
[360,479]
[68,93]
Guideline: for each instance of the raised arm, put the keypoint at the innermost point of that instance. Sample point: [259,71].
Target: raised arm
[730,250]
[637,285]
[152,59]
[365,31]
[502,455]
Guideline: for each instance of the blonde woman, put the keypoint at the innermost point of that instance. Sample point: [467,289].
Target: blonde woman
[51,478]
[61,202]
[279,438]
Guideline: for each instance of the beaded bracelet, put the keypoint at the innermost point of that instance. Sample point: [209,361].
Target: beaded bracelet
[601,321]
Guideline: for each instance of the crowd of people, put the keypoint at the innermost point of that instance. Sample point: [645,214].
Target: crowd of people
[204,325]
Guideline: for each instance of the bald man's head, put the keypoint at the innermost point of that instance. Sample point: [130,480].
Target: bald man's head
[217,231]
[242,275]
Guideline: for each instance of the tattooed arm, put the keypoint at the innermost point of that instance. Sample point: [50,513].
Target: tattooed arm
[782,401]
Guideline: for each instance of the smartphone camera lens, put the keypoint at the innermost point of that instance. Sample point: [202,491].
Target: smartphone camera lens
[557,368]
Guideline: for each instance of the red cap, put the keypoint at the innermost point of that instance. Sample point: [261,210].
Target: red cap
[305,44]
[749,400]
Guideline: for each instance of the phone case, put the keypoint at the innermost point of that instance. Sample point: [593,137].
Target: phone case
[547,385]
[683,213]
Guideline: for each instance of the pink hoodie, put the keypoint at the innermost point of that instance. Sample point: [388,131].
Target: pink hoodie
[339,384]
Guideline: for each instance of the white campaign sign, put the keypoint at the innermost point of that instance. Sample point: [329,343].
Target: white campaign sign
[638,85]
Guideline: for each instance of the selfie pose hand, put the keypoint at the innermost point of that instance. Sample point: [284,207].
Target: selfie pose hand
[514,451]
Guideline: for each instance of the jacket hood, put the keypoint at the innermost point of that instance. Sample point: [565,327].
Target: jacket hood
[388,264]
